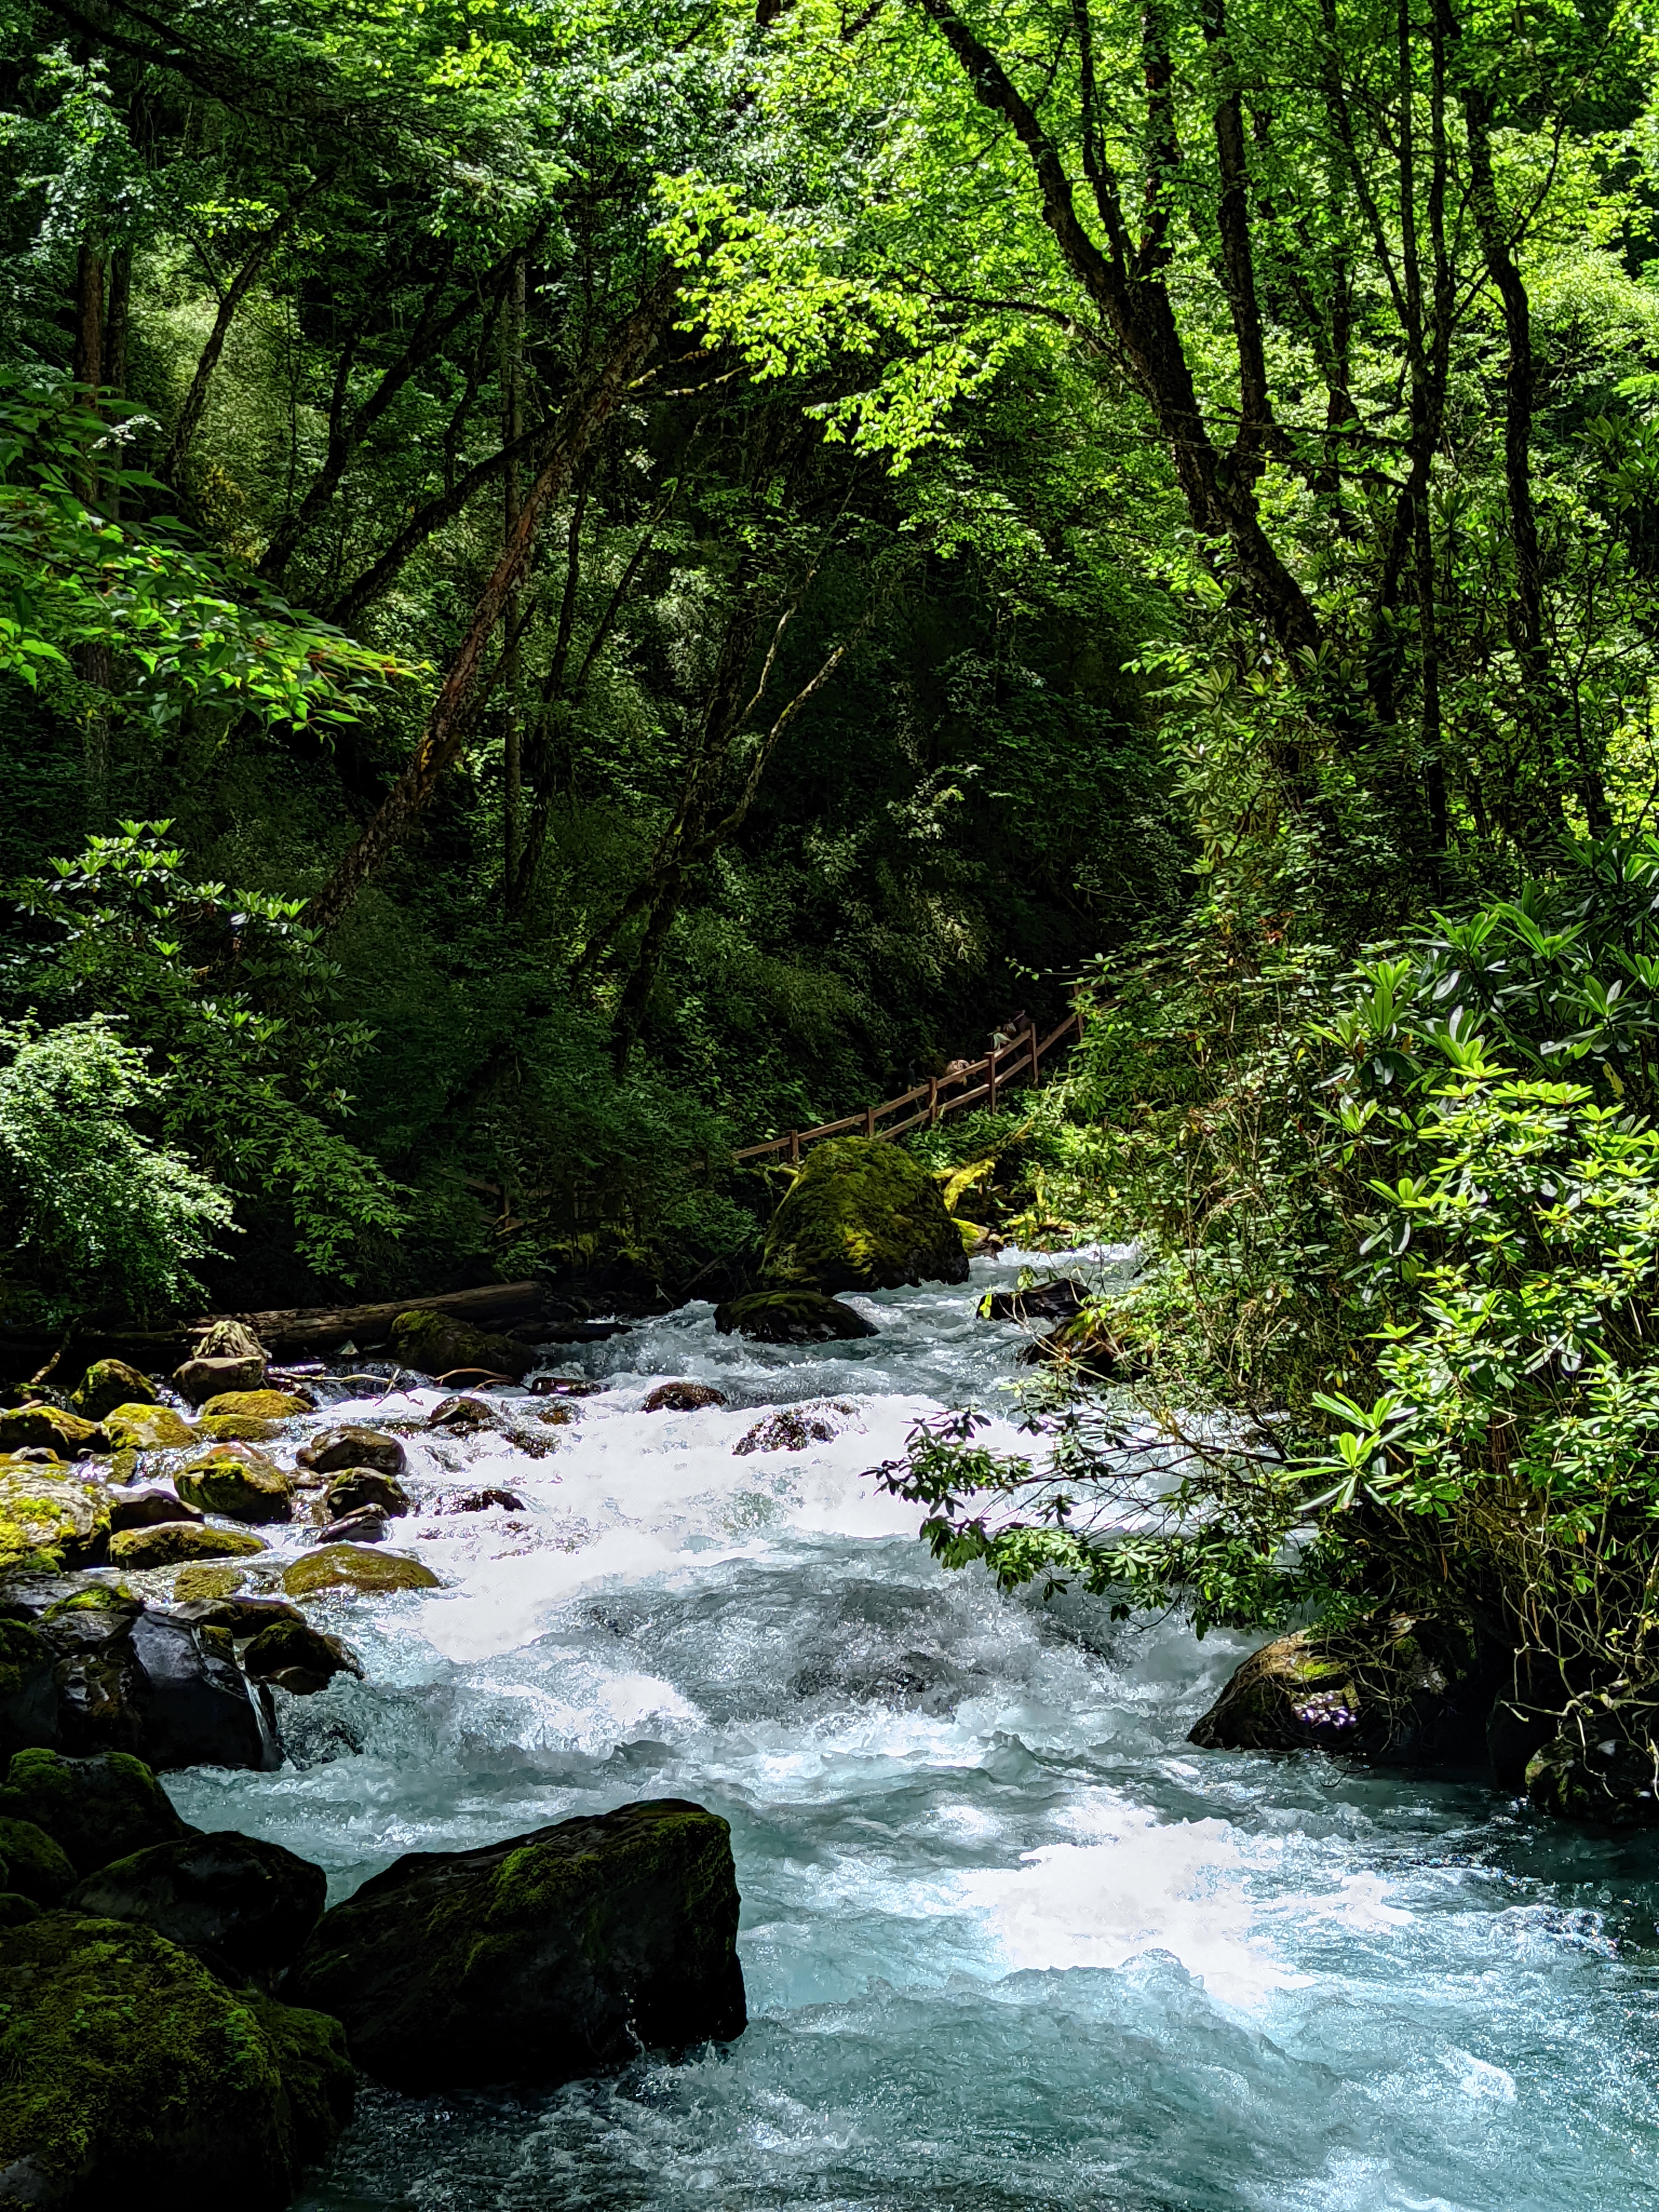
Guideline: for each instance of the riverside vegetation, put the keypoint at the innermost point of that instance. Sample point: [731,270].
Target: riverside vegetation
[589,586]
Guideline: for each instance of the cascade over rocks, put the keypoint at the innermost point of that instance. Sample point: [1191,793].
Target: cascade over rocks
[861,1215]
[798,1316]
[540,1959]
[239,1902]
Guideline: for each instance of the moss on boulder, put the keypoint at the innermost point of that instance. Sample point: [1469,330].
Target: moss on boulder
[49,1518]
[796,1317]
[35,1865]
[333,1451]
[1396,1686]
[236,1428]
[148,1428]
[239,1482]
[94,1809]
[136,2076]
[540,1959]
[348,1566]
[435,1343]
[23,1427]
[192,1585]
[861,1215]
[257,1404]
[245,1903]
[29,1692]
[172,1543]
[108,1383]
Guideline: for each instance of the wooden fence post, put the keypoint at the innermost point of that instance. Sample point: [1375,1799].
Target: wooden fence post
[794,1148]
[933,1100]
[869,1121]
[991,1081]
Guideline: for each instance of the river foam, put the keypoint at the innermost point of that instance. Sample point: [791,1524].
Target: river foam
[1010,1941]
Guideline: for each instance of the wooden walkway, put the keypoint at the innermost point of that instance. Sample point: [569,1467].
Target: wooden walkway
[971,1083]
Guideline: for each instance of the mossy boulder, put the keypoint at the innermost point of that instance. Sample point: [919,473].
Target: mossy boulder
[28,1690]
[235,1429]
[333,1451]
[193,1584]
[49,1518]
[108,1383]
[36,1867]
[791,1317]
[148,1428]
[238,1481]
[94,1809]
[244,1904]
[434,1343]
[228,1356]
[257,1404]
[144,1504]
[347,1566]
[357,1487]
[297,1657]
[539,1959]
[174,1543]
[861,1215]
[135,2076]
[16,1911]
[1395,1687]
[1602,1763]
[52,1427]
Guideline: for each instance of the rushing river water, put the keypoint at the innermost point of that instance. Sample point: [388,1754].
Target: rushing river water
[1011,1943]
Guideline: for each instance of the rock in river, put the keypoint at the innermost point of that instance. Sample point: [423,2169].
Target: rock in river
[244,1904]
[1602,1763]
[94,1809]
[790,1317]
[435,1343]
[170,1543]
[540,1959]
[350,1566]
[238,1481]
[108,1383]
[336,1450]
[861,1215]
[148,1428]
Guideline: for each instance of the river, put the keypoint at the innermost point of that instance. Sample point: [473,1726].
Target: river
[1011,1943]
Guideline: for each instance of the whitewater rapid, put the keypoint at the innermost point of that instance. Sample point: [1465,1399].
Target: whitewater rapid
[1011,1943]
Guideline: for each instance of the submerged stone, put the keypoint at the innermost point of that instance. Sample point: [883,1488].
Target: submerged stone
[540,1959]
[798,1316]
[861,1215]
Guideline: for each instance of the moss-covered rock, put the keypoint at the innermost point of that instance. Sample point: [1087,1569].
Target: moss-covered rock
[94,1597]
[172,1543]
[257,1404]
[1602,1763]
[538,1960]
[16,1911]
[333,1451]
[298,1658]
[790,1317]
[682,1398]
[228,1356]
[238,1481]
[462,1416]
[245,1904]
[64,1433]
[148,1428]
[108,1383]
[235,1429]
[50,1519]
[1395,1687]
[136,2076]
[29,1692]
[35,1865]
[861,1215]
[93,1809]
[347,1566]
[319,2079]
[438,1344]
[357,1487]
[193,1584]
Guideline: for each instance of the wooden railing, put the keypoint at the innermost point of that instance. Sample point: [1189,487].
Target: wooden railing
[969,1083]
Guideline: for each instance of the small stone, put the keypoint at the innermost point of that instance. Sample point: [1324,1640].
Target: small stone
[293,1649]
[481,1501]
[146,1505]
[333,1451]
[242,1616]
[170,1543]
[563,1386]
[460,1416]
[365,1526]
[108,1383]
[148,1428]
[345,1566]
[792,1429]
[682,1398]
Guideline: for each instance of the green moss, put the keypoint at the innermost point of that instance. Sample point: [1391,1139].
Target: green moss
[257,1404]
[348,1566]
[170,1543]
[318,2076]
[192,1583]
[97,1597]
[239,1482]
[94,1809]
[66,1434]
[45,1514]
[35,1865]
[148,1428]
[437,1344]
[236,1428]
[16,1910]
[861,1215]
[108,1383]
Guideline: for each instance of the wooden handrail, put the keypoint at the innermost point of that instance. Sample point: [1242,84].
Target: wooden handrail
[1021,1057]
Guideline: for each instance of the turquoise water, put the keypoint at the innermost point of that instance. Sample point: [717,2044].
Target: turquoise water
[1011,1943]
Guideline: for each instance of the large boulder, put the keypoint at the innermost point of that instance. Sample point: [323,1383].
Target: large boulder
[1395,1687]
[354,1567]
[164,1688]
[148,1428]
[1602,1764]
[333,1451]
[245,1904]
[258,1405]
[36,1867]
[358,1487]
[108,1383]
[136,2077]
[28,1688]
[861,1215]
[146,1505]
[64,1433]
[172,1543]
[297,1657]
[539,1959]
[434,1343]
[790,1317]
[238,1481]
[93,1809]
[49,1518]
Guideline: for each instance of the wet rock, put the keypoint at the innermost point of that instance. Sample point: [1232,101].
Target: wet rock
[260,1405]
[193,1583]
[49,1519]
[563,1386]
[242,1616]
[94,1809]
[435,1343]
[148,1428]
[792,1428]
[538,1960]
[36,1867]
[556,1417]
[682,1398]
[365,1526]
[198,1380]
[345,1566]
[481,1501]
[28,1688]
[1053,1301]
[462,1416]
[136,2077]
[243,1904]
[1601,1764]
[158,1686]
[298,1658]
[238,1481]
[1397,1687]
[236,1429]
[108,1383]
[790,1317]
[359,1487]
[143,1505]
[861,1215]
[173,1543]
[62,1432]
[334,1451]
[1093,1343]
